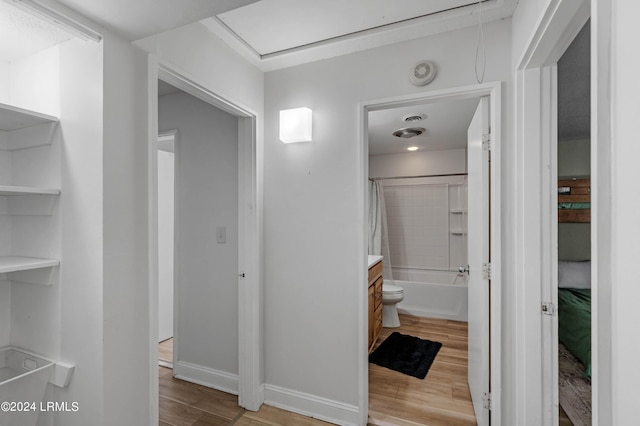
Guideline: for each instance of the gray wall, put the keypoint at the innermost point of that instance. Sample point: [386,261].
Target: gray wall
[206,169]
[574,150]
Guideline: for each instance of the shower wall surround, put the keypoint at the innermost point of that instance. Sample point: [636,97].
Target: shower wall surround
[427,222]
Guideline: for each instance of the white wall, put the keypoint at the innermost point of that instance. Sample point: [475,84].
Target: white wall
[35,82]
[81,270]
[448,161]
[203,57]
[311,193]
[574,158]
[126,252]
[623,111]
[4,82]
[207,198]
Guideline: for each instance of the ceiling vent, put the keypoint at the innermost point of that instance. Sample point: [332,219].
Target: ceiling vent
[412,118]
[409,132]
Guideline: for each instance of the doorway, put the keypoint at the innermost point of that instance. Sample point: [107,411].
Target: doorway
[536,357]
[244,227]
[166,243]
[492,91]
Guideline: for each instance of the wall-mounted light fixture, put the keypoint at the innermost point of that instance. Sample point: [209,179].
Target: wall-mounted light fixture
[295,125]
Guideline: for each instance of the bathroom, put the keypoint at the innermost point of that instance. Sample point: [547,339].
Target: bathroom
[418,184]
[423,180]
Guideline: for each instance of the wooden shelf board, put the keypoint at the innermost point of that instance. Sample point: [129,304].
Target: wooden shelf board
[27,190]
[18,263]
[14,118]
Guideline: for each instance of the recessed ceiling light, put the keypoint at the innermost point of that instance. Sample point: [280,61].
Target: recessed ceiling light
[412,148]
[409,132]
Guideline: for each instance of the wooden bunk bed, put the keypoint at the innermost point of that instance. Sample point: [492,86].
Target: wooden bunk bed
[574,200]
[574,309]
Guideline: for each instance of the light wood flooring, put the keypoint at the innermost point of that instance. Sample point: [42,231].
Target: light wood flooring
[165,351]
[442,398]
[187,404]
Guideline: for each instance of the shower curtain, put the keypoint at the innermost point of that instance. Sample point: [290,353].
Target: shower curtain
[378,238]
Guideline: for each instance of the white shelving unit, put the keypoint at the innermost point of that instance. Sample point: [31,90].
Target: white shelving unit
[26,190]
[14,118]
[20,263]
[22,129]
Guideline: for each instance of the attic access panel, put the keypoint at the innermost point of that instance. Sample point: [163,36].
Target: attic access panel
[271,26]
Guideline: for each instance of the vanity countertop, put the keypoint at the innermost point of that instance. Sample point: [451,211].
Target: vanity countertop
[373,259]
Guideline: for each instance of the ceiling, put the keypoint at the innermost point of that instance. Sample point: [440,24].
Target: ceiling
[136,19]
[22,34]
[446,125]
[273,34]
[272,26]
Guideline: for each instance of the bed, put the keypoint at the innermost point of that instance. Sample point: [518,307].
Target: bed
[574,200]
[574,323]
[574,278]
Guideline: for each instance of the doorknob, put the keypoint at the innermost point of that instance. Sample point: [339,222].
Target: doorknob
[463,269]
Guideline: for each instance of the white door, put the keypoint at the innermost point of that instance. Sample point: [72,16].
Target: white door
[165,244]
[478,252]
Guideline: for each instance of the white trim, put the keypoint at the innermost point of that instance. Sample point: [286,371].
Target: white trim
[487,89]
[250,363]
[368,39]
[312,406]
[535,346]
[209,377]
[603,126]
[61,17]
[152,209]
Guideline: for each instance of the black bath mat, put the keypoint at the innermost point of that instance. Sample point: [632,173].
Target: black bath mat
[406,354]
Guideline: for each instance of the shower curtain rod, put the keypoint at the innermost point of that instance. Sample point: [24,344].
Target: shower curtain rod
[415,177]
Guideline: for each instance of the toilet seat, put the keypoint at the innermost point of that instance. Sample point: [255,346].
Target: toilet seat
[390,288]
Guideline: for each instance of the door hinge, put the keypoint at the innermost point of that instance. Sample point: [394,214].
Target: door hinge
[486,271]
[486,400]
[548,308]
[486,142]
[241,275]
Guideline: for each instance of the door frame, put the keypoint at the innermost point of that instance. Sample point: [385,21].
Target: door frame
[250,211]
[536,254]
[493,90]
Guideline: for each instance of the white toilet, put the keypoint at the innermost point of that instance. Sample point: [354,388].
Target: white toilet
[391,296]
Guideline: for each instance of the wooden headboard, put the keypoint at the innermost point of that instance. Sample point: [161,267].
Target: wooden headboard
[576,191]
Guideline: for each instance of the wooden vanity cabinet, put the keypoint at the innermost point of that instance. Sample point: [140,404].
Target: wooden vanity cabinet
[375,303]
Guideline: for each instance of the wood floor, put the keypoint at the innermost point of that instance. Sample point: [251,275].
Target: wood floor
[187,404]
[165,351]
[441,398]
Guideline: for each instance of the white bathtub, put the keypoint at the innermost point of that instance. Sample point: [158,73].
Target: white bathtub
[448,300]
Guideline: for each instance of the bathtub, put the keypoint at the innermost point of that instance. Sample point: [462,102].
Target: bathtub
[432,295]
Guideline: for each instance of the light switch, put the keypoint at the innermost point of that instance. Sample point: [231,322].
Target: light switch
[221,234]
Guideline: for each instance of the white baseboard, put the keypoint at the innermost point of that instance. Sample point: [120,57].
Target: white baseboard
[311,405]
[205,376]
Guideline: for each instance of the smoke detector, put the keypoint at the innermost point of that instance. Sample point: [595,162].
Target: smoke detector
[409,132]
[423,73]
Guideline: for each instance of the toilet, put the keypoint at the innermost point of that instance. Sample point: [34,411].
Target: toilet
[391,296]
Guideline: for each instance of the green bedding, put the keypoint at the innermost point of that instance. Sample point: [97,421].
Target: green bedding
[574,323]
[574,206]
